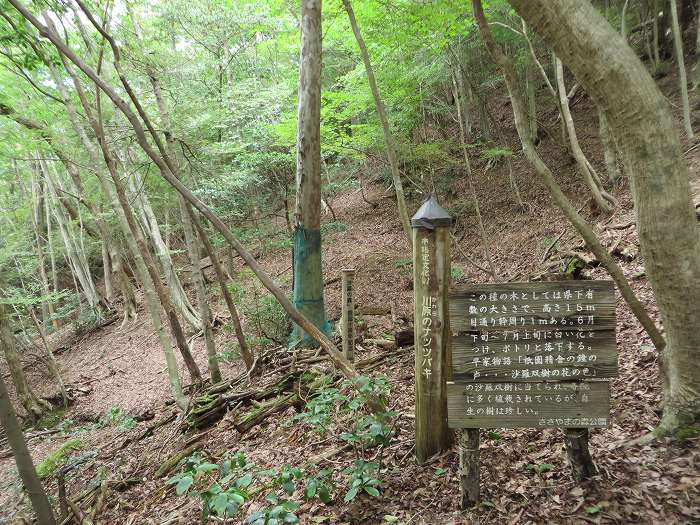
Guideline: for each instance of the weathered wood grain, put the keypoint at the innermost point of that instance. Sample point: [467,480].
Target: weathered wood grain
[544,354]
[566,305]
[537,405]
[431,278]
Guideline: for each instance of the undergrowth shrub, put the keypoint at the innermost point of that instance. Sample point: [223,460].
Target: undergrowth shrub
[222,488]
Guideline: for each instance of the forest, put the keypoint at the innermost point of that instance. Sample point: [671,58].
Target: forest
[349,262]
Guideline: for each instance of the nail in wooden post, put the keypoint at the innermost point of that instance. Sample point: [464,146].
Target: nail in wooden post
[431,282]
[347,319]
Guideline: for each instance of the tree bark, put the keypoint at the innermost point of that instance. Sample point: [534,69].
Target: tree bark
[202,300]
[308,277]
[386,128]
[646,132]
[53,365]
[609,148]
[23,460]
[472,190]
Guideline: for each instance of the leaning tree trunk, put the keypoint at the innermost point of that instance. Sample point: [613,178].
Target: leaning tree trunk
[74,253]
[202,300]
[562,201]
[152,229]
[603,199]
[246,354]
[472,190]
[53,365]
[23,460]
[386,128]
[141,255]
[308,278]
[682,78]
[34,405]
[643,124]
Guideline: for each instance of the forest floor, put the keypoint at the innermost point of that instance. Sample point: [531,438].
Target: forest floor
[524,472]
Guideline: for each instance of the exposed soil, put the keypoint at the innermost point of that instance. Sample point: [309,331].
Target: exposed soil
[124,366]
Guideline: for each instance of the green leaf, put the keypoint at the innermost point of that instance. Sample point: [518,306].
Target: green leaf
[546,467]
[288,487]
[245,481]
[183,485]
[207,467]
[488,504]
[324,495]
[311,488]
[390,518]
[594,509]
[351,494]
[371,491]
[219,503]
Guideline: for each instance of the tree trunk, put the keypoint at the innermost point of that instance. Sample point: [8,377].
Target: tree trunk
[23,460]
[74,253]
[644,126]
[603,199]
[386,128]
[308,278]
[609,148]
[139,251]
[472,190]
[202,300]
[152,229]
[678,46]
[696,64]
[584,229]
[246,354]
[53,365]
[34,406]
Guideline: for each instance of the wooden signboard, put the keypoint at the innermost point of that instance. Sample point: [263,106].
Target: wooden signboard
[532,354]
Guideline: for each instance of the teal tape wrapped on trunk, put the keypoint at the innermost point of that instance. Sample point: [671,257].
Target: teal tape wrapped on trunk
[308,285]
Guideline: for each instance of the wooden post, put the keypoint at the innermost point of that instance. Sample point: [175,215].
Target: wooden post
[468,467]
[576,441]
[347,319]
[431,281]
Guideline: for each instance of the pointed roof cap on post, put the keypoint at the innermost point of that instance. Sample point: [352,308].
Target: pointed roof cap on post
[431,215]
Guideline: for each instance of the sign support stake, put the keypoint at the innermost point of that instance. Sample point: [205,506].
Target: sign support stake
[347,318]
[469,477]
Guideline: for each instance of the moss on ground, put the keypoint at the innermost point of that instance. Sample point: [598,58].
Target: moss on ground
[57,458]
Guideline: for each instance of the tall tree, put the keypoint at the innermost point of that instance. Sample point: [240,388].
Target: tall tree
[25,465]
[308,277]
[386,128]
[647,134]
[33,404]
[680,61]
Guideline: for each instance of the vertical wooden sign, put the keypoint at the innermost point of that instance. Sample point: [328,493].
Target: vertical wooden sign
[431,281]
[347,318]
